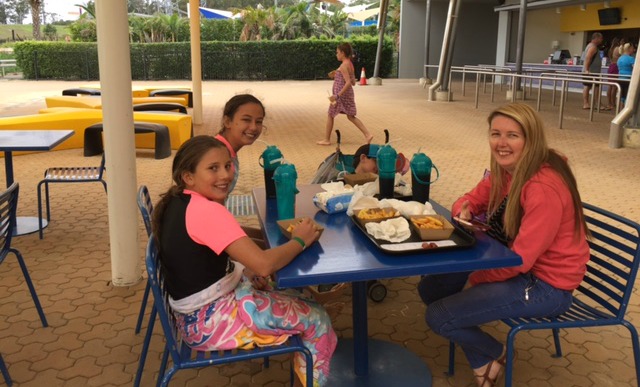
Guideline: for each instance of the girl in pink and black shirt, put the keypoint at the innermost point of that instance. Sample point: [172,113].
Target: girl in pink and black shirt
[214,271]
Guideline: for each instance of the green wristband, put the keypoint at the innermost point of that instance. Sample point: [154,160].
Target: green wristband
[299,240]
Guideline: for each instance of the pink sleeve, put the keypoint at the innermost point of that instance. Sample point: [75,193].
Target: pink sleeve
[543,209]
[478,198]
[211,224]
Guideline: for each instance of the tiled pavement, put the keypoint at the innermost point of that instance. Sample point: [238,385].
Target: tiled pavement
[91,340]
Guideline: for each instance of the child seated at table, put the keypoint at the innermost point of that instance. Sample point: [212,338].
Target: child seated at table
[215,273]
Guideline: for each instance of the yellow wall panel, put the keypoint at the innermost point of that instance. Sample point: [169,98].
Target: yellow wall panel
[574,19]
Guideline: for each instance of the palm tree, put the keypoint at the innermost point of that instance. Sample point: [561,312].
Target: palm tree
[172,25]
[88,8]
[254,20]
[137,29]
[35,17]
[299,21]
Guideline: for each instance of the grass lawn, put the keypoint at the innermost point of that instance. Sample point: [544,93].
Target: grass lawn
[25,31]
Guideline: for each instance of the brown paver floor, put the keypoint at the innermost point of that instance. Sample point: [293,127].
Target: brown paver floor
[91,340]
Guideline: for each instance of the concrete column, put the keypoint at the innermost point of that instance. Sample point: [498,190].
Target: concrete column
[502,43]
[196,61]
[117,111]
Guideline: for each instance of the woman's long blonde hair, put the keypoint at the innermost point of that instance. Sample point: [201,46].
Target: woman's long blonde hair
[535,154]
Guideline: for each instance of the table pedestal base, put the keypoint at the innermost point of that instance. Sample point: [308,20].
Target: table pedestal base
[27,225]
[389,365]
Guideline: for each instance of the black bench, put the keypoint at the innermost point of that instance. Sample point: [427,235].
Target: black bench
[93,138]
[160,106]
[76,92]
[170,92]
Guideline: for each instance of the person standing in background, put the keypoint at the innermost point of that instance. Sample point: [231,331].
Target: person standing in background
[613,54]
[343,98]
[625,67]
[592,65]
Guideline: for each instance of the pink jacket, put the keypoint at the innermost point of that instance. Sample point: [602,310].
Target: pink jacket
[546,239]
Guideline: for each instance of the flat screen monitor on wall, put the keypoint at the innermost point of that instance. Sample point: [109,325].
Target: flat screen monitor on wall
[609,16]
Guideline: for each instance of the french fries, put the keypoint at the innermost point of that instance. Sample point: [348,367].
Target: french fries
[292,226]
[428,223]
[377,213]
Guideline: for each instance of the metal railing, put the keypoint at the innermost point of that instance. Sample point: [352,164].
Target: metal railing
[565,79]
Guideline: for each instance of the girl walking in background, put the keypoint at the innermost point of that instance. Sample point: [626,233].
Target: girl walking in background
[343,98]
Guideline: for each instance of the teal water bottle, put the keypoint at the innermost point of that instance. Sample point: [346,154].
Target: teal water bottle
[386,159]
[269,161]
[285,181]
[421,177]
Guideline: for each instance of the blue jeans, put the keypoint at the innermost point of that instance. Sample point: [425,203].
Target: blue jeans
[457,315]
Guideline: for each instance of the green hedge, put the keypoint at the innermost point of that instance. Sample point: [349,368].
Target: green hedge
[292,59]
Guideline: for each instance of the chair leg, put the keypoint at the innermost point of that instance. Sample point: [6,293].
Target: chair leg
[556,340]
[104,184]
[511,337]
[27,279]
[266,362]
[40,229]
[145,346]
[163,380]
[309,361]
[5,372]
[452,358]
[145,297]
[46,198]
[636,348]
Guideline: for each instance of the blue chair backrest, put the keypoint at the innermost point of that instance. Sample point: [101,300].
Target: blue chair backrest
[8,204]
[161,298]
[615,256]
[146,207]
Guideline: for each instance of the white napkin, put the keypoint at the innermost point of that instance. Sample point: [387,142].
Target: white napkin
[392,230]
[332,190]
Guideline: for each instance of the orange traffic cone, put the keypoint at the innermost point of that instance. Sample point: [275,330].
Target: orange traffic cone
[363,78]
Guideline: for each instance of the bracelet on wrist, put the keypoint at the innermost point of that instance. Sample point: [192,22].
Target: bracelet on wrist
[299,240]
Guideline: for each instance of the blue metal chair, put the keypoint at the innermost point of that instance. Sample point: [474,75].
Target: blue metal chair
[8,204]
[182,355]
[5,372]
[67,175]
[146,209]
[603,296]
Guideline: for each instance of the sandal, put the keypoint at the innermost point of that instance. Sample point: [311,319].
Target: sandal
[484,379]
[502,362]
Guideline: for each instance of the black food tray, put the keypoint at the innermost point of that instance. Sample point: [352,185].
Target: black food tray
[458,239]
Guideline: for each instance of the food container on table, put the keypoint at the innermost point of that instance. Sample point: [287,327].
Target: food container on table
[379,214]
[432,234]
[354,179]
[285,226]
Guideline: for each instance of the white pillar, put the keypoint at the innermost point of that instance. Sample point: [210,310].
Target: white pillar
[117,116]
[502,43]
[196,61]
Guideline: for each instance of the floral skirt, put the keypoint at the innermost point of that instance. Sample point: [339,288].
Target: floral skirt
[248,317]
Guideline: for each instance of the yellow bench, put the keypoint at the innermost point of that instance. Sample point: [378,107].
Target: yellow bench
[96,102]
[136,91]
[79,119]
